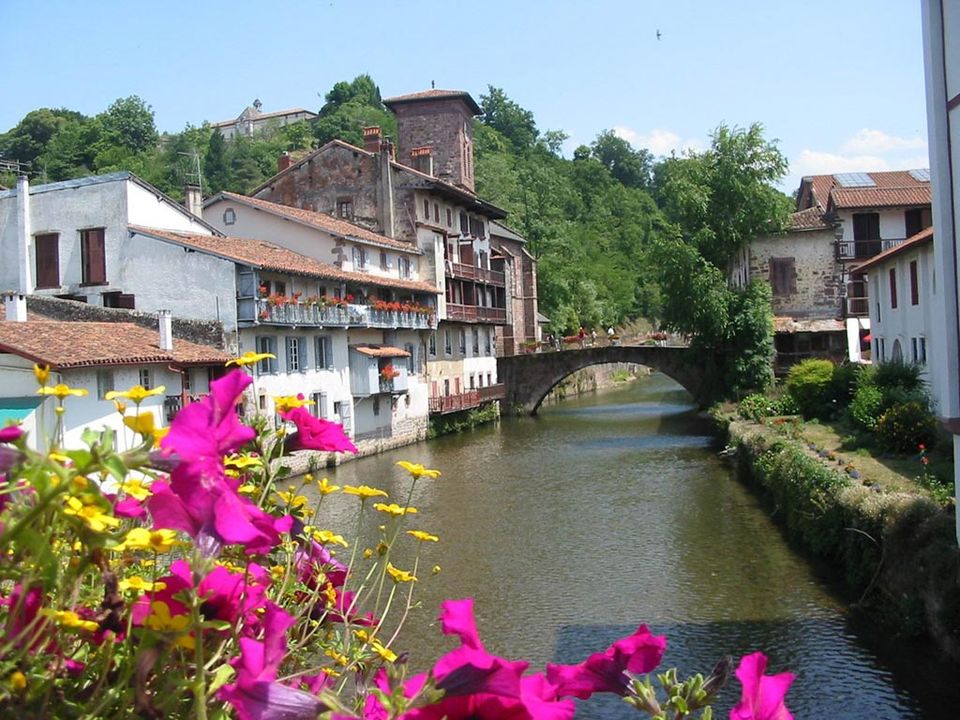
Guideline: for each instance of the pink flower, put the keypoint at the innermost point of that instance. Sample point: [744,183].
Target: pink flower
[638,653]
[11,433]
[762,695]
[255,694]
[316,434]
[22,611]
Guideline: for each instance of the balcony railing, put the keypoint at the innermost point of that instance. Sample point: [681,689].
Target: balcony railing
[857,306]
[173,404]
[864,249]
[466,400]
[339,316]
[476,313]
[471,272]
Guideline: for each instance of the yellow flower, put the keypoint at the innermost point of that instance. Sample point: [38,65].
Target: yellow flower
[70,619]
[363,491]
[435,570]
[367,553]
[326,488]
[159,541]
[242,462]
[394,509]
[338,658]
[91,514]
[159,434]
[120,406]
[17,680]
[384,652]
[61,391]
[247,489]
[161,620]
[326,537]
[140,585]
[285,403]
[400,576]
[42,373]
[329,593]
[417,470]
[138,393]
[250,358]
[290,500]
[142,423]
[136,488]
[423,536]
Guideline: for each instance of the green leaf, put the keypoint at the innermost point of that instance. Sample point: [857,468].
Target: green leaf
[221,676]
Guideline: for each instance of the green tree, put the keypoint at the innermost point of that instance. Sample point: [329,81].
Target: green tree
[508,118]
[216,168]
[129,123]
[631,167]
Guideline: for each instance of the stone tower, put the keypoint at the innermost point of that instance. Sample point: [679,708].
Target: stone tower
[435,133]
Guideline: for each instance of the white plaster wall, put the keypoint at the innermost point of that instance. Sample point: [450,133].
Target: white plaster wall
[165,276]
[9,279]
[153,210]
[480,366]
[892,223]
[18,381]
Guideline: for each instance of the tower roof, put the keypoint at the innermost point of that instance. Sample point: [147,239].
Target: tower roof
[427,95]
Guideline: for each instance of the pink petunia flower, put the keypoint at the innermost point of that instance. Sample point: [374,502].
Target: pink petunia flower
[638,653]
[11,433]
[762,696]
[316,434]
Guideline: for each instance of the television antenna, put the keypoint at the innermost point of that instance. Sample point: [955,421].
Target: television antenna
[194,176]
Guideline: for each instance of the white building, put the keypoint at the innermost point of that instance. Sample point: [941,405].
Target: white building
[253,120]
[941,44]
[901,288]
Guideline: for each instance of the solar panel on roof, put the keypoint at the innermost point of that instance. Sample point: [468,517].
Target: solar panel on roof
[854,180]
[923,174]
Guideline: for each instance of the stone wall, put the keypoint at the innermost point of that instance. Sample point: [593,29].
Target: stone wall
[817,274]
[593,379]
[446,127]
[204,332]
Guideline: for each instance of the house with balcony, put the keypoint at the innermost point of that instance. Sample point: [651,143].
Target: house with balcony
[420,192]
[841,221]
[902,291]
[522,329]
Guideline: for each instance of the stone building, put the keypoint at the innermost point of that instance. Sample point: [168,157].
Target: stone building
[253,120]
[523,328]
[421,191]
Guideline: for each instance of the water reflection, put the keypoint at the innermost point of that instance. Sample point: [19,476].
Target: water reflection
[571,528]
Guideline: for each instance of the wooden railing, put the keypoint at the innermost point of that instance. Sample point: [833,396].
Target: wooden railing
[341,316]
[864,249]
[173,404]
[466,400]
[476,313]
[472,272]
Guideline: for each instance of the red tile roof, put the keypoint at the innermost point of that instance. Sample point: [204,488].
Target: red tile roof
[380,351]
[912,242]
[63,344]
[809,219]
[322,221]
[265,116]
[434,95]
[844,198]
[827,193]
[793,325]
[267,256]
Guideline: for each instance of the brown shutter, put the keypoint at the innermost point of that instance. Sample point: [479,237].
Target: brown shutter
[893,287]
[48,260]
[914,284]
[94,260]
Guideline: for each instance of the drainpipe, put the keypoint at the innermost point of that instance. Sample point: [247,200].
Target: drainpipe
[386,189]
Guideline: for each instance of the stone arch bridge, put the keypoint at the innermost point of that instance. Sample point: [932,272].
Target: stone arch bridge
[528,378]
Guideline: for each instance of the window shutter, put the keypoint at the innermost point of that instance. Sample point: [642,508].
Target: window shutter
[95,265]
[48,260]
[290,344]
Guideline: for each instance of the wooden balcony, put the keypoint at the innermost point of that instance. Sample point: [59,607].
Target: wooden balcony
[305,315]
[462,271]
[856,306]
[466,400]
[864,249]
[173,404]
[476,313]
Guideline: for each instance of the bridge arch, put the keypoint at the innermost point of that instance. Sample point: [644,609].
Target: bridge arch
[529,378]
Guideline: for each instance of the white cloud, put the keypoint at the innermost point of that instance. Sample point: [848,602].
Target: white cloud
[658,141]
[814,162]
[868,140]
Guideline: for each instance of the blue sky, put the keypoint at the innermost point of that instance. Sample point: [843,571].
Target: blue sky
[839,83]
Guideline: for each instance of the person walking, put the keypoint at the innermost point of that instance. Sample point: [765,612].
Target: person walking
[582,336]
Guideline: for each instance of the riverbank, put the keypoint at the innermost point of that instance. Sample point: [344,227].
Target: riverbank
[896,550]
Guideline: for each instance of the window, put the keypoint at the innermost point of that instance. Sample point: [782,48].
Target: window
[324,354]
[915,350]
[412,359]
[319,405]
[432,345]
[866,226]
[104,383]
[923,350]
[266,344]
[447,343]
[473,381]
[404,264]
[436,213]
[916,220]
[295,359]
[882,350]
[426,209]
[464,224]
[359,259]
[489,379]
[893,288]
[376,407]
[449,217]
[783,276]
[146,379]
[279,287]
[48,260]
[914,284]
[384,261]
[345,208]
[229,216]
[93,257]
[488,343]
[119,300]
[463,341]
[476,341]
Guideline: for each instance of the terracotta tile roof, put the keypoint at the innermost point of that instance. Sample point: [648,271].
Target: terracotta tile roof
[842,198]
[924,236]
[63,344]
[380,351]
[267,256]
[809,219]
[434,95]
[322,221]
[824,188]
[792,325]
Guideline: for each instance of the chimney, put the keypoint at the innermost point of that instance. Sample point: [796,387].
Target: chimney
[371,139]
[193,200]
[385,189]
[15,307]
[166,330]
[284,161]
[422,159]
[24,233]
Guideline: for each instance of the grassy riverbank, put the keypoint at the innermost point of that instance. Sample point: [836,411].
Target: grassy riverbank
[893,542]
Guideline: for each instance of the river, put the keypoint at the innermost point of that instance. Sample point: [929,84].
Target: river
[571,528]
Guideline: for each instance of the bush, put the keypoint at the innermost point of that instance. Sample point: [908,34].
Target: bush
[904,427]
[786,405]
[844,384]
[898,375]
[810,384]
[756,407]
[867,406]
